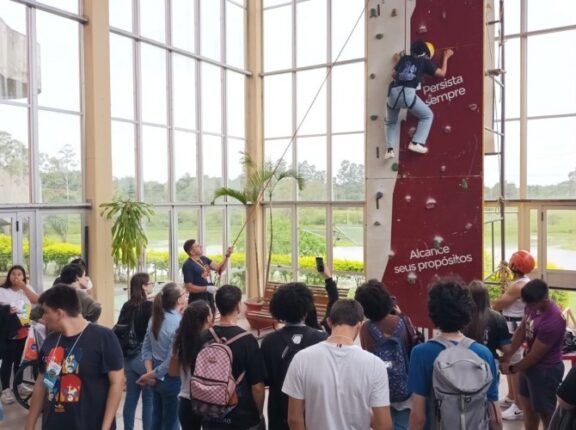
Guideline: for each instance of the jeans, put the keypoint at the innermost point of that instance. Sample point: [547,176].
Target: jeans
[134,368]
[400,418]
[401,98]
[165,414]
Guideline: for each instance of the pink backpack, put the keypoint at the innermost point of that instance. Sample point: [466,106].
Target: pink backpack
[212,385]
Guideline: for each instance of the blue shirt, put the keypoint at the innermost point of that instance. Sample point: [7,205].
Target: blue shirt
[422,364]
[159,350]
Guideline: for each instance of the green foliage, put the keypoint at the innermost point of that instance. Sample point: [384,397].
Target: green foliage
[128,236]
[59,253]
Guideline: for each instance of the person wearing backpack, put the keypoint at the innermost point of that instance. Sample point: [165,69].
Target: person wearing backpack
[134,316]
[156,353]
[407,76]
[437,403]
[289,304]
[387,336]
[227,385]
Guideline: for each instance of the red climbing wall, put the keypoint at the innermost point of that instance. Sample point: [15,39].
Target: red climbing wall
[436,204]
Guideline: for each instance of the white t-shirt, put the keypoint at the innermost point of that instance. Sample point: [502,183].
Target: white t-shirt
[184,383]
[339,385]
[13,298]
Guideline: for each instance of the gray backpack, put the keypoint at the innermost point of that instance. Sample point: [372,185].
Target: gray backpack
[460,382]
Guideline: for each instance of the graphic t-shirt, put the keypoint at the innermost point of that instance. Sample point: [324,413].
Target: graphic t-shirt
[409,71]
[246,358]
[549,327]
[275,351]
[78,399]
[197,272]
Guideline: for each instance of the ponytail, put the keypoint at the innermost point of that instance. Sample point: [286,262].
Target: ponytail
[164,302]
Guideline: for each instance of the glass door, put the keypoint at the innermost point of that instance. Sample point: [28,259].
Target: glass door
[17,237]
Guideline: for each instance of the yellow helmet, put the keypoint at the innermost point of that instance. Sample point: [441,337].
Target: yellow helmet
[430,48]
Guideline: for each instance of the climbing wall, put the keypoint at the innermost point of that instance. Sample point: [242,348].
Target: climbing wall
[424,212]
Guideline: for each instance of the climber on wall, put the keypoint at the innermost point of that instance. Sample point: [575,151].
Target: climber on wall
[407,75]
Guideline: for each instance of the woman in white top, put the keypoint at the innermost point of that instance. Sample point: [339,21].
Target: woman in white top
[20,296]
[197,318]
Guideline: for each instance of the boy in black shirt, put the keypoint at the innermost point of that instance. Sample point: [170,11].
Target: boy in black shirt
[290,303]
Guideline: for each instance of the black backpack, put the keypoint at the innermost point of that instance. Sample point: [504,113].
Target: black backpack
[126,334]
[292,348]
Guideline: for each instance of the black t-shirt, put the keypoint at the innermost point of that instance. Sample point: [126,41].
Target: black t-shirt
[198,274]
[246,357]
[274,347]
[567,390]
[496,332]
[79,397]
[141,314]
[410,69]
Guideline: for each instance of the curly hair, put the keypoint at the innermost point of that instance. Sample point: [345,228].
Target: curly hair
[291,302]
[450,305]
[375,299]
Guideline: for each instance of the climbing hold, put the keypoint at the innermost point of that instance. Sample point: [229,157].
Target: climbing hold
[372,75]
[422,29]
[444,14]
[473,107]
[464,184]
[447,129]
[468,226]
[442,168]
[379,36]
[431,203]
[394,167]
[391,254]
[377,223]
[373,13]
[394,13]
[373,117]
[411,131]
[412,277]
[408,198]
[438,242]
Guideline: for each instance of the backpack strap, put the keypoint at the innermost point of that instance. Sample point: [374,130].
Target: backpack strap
[466,342]
[235,338]
[375,331]
[443,341]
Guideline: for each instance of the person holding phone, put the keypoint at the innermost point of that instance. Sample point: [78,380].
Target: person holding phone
[331,290]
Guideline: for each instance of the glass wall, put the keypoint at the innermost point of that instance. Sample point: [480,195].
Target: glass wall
[178,122]
[314,124]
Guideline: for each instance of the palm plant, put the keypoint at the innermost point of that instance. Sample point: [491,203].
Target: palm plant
[128,236]
[260,182]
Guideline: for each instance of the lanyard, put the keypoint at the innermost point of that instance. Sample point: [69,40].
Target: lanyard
[73,346]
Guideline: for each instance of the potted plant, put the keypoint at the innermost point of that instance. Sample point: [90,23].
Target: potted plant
[129,239]
[260,182]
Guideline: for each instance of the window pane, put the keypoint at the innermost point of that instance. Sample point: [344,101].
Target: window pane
[14,155]
[348,245]
[187,229]
[541,99]
[61,242]
[185,168]
[534,225]
[60,63]
[153,71]
[552,168]
[345,13]
[491,177]
[281,267]
[183,24]
[308,84]
[152,19]
[278,38]
[348,167]
[236,89]
[278,105]
[157,254]
[511,17]
[348,100]
[311,243]
[492,228]
[312,166]
[513,79]
[14,58]
[67,5]
[211,165]
[155,164]
[60,148]
[234,35]
[210,28]
[184,92]
[551,13]
[214,237]
[123,160]
[121,14]
[311,18]
[211,98]
[274,151]
[512,159]
[235,171]
[560,239]
[121,77]
[237,271]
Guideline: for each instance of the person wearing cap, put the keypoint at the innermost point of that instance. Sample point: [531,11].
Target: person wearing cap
[407,76]
[512,307]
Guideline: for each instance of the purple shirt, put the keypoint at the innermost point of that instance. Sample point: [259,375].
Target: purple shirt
[548,326]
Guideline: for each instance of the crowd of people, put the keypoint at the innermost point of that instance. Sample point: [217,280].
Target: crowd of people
[183,353]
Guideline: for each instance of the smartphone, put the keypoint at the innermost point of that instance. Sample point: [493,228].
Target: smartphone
[319,264]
